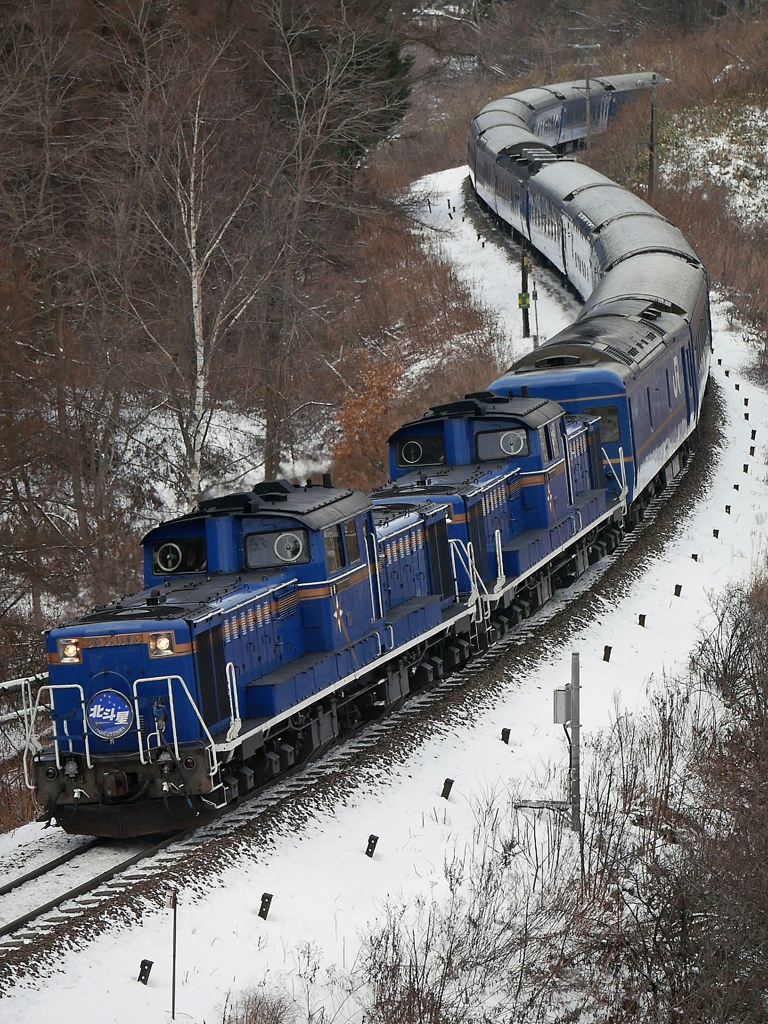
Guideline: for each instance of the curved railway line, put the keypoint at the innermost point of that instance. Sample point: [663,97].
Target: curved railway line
[31,929]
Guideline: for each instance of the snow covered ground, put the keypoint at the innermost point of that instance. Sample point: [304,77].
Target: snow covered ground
[326,891]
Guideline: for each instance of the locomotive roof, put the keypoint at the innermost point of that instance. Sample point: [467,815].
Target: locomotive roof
[317,506]
[531,412]
[426,481]
[182,597]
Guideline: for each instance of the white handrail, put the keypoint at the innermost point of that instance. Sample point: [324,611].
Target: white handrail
[234,702]
[56,738]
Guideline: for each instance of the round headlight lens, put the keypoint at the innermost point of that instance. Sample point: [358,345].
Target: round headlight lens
[69,651]
[161,645]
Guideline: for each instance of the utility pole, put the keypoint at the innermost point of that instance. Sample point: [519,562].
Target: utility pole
[575,744]
[586,62]
[524,298]
[170,902]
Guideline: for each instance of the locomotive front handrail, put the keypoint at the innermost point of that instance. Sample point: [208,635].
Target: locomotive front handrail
[466,556]
[172,708]
[500,577]
[236,722]
[56,738]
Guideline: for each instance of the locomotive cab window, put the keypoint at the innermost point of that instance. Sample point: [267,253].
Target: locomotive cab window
[501,444]
[421,451]
[184,554]
[350,538]
[276,549]
[334,552]
[609,421]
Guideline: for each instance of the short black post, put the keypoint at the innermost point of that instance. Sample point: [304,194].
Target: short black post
[715,533]
[727,510]
[607,653]
[737,387]
[754,434]
[746,415]
[751,449]
[447,786]
[719,362]
[641,620]
[746,467]
[144,969]
[727,373]
[371,847]
[505,734]
[746,402]
[678,589]
[695,557]
[735,487]
[266,903]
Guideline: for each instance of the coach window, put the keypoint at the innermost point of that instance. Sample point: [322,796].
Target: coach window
[334,553]
[353,544]
[609,421]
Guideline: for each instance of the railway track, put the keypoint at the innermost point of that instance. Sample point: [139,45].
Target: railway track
[29,924]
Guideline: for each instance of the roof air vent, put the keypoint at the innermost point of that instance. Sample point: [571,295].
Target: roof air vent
[564,359]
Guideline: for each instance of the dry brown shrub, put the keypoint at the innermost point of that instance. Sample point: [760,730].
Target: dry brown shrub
[413,338]
[257,1007]
[17,804]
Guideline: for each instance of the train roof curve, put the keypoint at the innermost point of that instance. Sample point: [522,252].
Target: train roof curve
[530,412]
[318,507]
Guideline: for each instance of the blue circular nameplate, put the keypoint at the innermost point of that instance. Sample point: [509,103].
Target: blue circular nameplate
[109,714]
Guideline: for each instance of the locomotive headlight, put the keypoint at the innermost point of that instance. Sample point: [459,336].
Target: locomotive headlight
[161,645]
[69,652]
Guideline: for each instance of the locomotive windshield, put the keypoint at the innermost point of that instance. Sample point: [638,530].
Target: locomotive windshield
[283,547]
[183,554]
[501,444]
[421,451]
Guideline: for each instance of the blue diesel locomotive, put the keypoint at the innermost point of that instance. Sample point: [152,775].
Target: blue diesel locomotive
[273,622]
